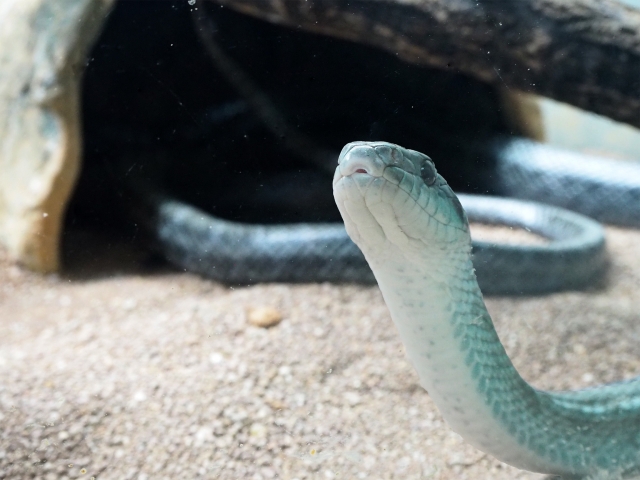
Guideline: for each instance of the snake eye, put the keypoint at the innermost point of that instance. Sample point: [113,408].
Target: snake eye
[428,172]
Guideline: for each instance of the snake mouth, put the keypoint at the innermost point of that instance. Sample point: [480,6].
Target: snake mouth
[355,166]
[358,159]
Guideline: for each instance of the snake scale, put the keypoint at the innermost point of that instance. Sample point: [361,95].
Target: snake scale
[414,234]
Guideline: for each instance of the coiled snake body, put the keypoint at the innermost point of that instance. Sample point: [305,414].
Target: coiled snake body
[239,253]
[414,233]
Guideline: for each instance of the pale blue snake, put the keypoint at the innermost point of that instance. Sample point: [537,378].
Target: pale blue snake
[414,234]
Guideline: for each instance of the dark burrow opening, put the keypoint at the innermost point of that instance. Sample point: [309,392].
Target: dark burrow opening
[156,108]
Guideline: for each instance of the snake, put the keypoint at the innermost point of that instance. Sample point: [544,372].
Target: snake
[414,233]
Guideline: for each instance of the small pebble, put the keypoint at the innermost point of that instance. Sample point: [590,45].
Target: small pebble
[264,317]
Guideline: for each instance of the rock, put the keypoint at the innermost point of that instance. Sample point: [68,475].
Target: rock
[264,317]
[43,46]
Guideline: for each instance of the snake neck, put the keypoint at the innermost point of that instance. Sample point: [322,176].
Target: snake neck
[441,319]
[450,339]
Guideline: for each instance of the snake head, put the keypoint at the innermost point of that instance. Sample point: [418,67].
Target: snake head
[387,193]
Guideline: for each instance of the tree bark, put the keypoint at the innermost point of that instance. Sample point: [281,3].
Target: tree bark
[582,52]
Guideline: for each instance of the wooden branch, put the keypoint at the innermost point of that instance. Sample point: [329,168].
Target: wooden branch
[582,52]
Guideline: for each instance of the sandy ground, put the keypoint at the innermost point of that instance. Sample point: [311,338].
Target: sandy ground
[114,371]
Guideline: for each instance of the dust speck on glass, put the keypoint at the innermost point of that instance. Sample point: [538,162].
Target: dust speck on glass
[307,239]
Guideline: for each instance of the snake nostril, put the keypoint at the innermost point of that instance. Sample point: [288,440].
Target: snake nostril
[360,170]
